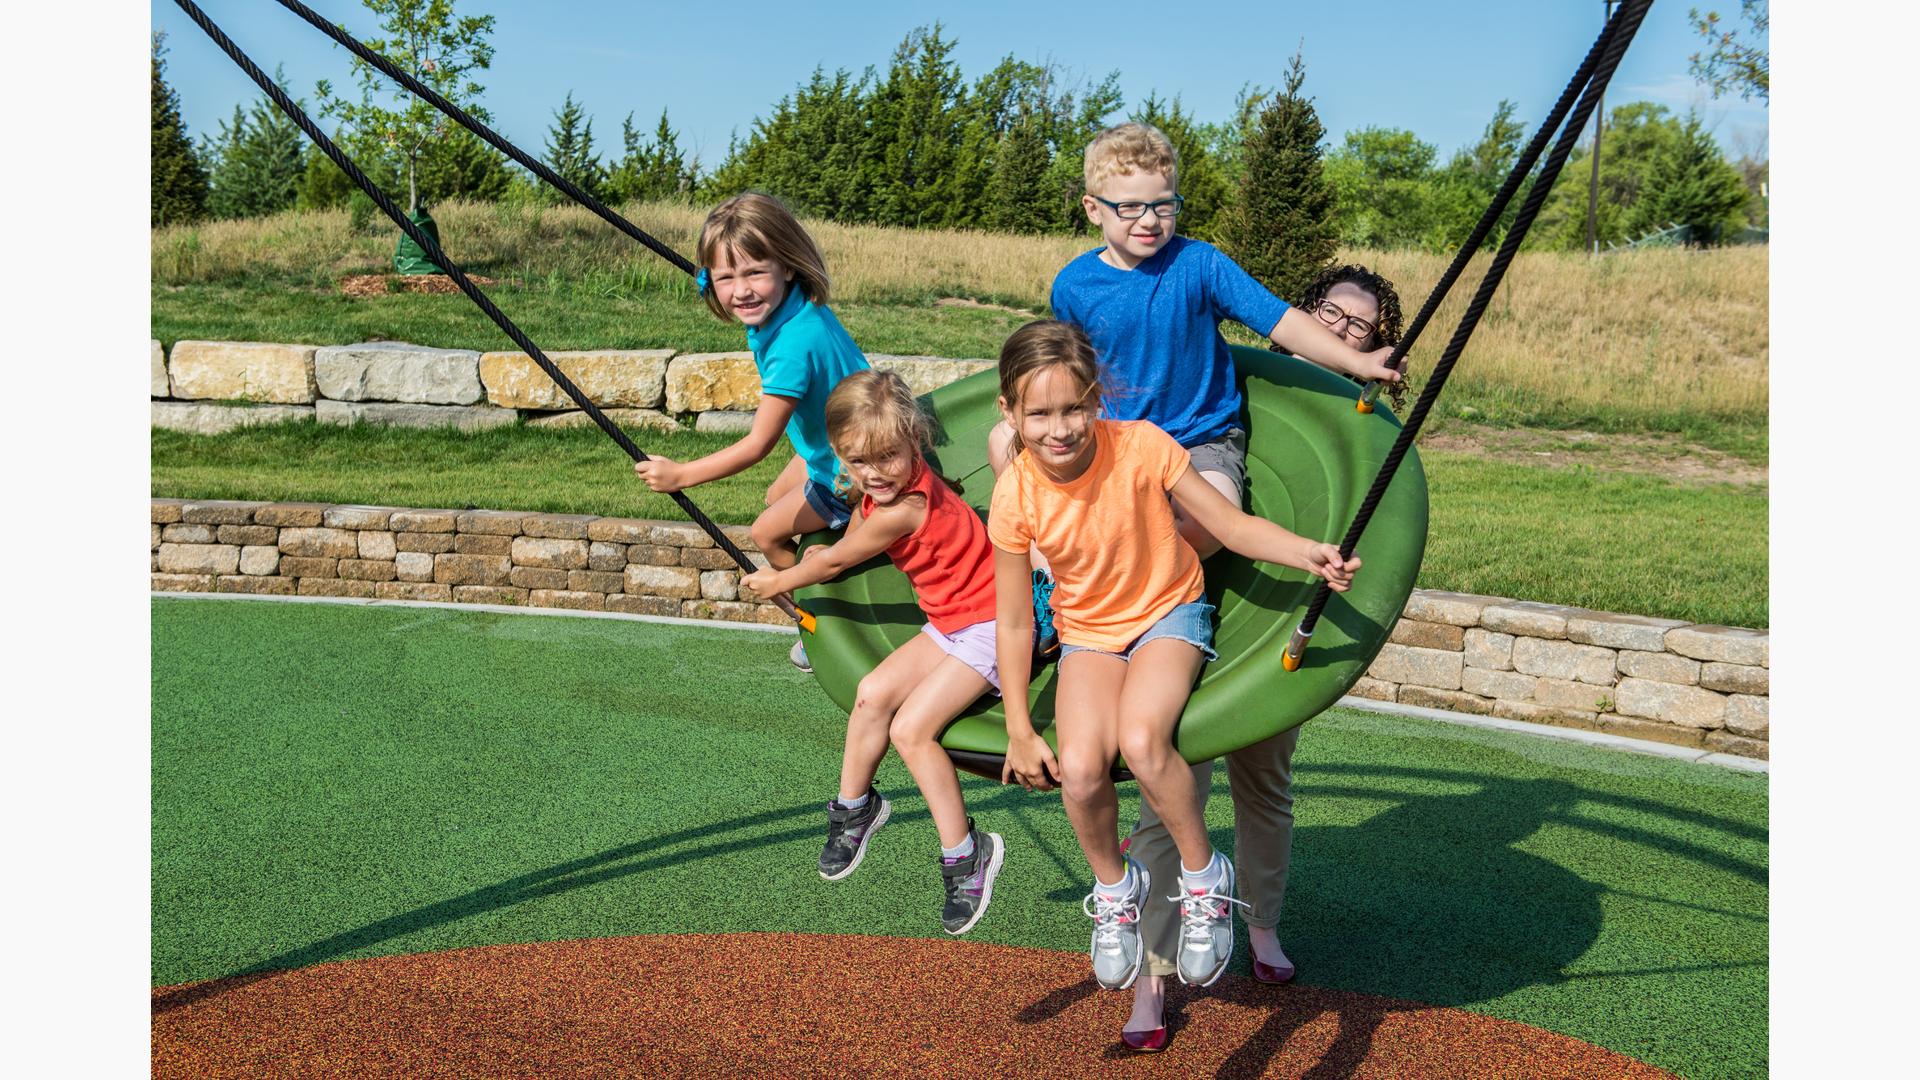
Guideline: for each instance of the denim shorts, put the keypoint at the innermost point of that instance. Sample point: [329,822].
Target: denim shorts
[1191,623]
[829,506]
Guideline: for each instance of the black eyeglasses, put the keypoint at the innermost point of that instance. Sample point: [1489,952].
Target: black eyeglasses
[1133,211]
[1333,315]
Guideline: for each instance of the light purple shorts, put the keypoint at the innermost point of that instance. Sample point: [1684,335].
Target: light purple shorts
[973,646]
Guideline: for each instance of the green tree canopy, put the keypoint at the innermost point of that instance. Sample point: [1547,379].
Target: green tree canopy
[650,169]
[1201,181]
[1735,59]
[1282,228]
[1690,184]
[257,163]
[179,184]
[569,150]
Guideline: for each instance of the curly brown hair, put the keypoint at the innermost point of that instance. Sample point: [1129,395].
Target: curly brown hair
[1386,327]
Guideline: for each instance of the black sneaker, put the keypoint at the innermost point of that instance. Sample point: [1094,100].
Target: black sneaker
[848,832]
[969,881]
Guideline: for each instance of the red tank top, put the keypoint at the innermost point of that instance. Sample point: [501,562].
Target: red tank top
[948,559]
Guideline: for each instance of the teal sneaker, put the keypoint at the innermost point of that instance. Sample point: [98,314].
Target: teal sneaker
[1046,640]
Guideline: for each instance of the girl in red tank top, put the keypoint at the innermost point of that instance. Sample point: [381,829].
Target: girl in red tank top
[936,539]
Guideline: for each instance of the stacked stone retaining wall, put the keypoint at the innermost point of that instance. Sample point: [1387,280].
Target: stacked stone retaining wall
[1660,679]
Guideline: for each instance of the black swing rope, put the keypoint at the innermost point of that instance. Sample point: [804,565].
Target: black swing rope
[459,278]
[1616,38]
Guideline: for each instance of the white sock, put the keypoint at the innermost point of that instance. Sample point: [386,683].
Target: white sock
[1119,888]
[852,804]
[959,851]
[1208,877]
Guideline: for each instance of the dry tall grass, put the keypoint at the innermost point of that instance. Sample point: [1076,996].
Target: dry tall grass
[1650,332]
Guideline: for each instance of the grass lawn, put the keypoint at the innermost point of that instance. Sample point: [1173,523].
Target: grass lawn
[335,781]
[1610,541]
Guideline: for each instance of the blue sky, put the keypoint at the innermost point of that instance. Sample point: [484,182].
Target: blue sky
[1437,68]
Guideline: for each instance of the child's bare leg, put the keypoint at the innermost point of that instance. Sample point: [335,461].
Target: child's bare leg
[791,477]
[1204,543]
[878,698]
[789,516]
[1084,711]
[940,696]
[1159,679]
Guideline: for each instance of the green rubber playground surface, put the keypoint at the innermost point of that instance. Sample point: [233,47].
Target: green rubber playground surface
[343,781]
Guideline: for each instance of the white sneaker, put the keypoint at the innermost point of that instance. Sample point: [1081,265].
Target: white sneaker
[798,654]
[1116,931]
[1206,928]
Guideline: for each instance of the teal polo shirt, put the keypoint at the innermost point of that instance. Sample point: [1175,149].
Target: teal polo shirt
[803,352]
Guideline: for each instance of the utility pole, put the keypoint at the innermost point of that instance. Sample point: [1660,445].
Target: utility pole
[1593,182]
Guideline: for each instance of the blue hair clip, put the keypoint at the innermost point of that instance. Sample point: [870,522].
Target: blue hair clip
[701,281]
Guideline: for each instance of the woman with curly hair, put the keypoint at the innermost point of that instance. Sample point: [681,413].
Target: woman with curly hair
[1360,306]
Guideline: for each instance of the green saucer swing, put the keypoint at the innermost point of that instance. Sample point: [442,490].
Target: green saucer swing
[1310,458]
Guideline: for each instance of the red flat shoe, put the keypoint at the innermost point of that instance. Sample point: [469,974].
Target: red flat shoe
[1267,973]
[1146,1042]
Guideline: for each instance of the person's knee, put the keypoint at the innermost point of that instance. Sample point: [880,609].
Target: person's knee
[767,532]
[875,696]
[1083,776]
[911,733]
[1000,446]
[1146,750]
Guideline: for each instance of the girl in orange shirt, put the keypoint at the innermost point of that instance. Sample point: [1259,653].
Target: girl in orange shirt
[1091,496]
[937,540]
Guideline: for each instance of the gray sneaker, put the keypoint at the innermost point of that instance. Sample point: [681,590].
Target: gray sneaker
[797,656]
[1116,932]
[1206,929]
[847,834]
[969,881]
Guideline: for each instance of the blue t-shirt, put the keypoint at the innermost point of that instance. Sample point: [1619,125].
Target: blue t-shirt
[1157,331]
[803,352]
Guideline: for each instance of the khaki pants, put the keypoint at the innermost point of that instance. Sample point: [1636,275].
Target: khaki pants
[1260,779]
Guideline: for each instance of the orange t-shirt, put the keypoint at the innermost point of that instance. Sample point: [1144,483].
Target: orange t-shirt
[1119,565]
[947,559]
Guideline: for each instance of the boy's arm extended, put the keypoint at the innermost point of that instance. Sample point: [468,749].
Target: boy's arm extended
[769,421]
[1302,335]
[1256,537]
[862,541]
[1030,761]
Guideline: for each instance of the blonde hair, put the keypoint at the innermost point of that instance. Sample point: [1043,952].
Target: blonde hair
[761,227]
[1129,148]
[1040,345]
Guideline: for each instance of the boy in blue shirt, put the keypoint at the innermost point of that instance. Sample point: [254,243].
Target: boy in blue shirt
[1151,301]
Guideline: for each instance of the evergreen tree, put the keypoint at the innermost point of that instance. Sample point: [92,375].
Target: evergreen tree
[322,185]
[178,189]
[1282,228]
[1691,184]
[1201,180]
[915,121]
[257,163]
[650,170]
[1017,197]
[569,149]
[1637,133]
[462,166]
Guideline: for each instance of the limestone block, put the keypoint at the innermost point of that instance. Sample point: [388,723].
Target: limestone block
[925,374]
[303,567]
[189,534]
[166,511]
[180,582]
[1534,713]
[157,371]
[1428,635]
[397,371]
[199,558]
[429,543]
[1452,700]
[682,536]
[1728,743]
[723,423]
[653,555]
[1747,715]
[1687,706]
[378,544]
[463,417]
[408,589]
[630,378]
[456,569]
[280,515]
[720,584]
[157,530]
[416,566]
[676,581]
[556,526]
[1488,649]
[1406,664]
[1735,678]
[482,544]
[538,551]
[741,535]
[572,601]
[367,569]
[533,577]
[1506,685]
[1612,631]
[356,517]
[701,381]
[490,522]
[256,586]
[1636,727]
[248,534]
[1726,644]
[1529,618]
[320,543]
[489,594]
[734,611]
[1454,609]
[260,559]
[1660,667]
[624,419]
[605,556]
[710,558]
[1564,660]
[216,419]
[628,604]
[318,586]
[600,581]
[619,530]
[242,371]
[219,512]
[423,521]
[1373,689]
[1567,694]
